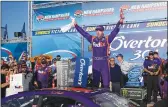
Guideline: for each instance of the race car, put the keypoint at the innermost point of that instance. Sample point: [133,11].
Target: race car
[71,97]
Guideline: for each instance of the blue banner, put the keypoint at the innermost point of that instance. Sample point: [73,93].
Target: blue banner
[66,45]
[109,27]
[54,17]
[81,72]
[108,12]
[91,13]
[15,49]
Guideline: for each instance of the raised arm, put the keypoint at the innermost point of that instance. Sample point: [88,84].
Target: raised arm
[83,33]
[114,33]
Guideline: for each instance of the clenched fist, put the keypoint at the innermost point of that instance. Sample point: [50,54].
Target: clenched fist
[121,16]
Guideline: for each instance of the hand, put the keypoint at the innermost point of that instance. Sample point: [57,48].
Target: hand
[156,73]
[151,73]
[121,16]
[7,83]
[35,83]
[73,21]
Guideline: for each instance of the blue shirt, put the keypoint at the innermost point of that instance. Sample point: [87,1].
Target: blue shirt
[115,73]
[152,65]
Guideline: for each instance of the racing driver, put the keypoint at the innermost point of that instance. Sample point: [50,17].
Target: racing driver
[100,44]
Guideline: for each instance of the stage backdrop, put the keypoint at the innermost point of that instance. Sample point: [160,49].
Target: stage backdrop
[135,40]
[47,37]
[15,49]
[66,45]
[97,13]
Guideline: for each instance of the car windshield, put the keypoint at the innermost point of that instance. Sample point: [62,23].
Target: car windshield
[19,102]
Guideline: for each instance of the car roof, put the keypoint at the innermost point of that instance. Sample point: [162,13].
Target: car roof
[73,93]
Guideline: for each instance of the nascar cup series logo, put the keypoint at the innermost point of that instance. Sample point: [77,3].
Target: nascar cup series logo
[82,64]
[96,12]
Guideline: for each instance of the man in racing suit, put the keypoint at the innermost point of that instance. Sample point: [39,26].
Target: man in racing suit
[100,44]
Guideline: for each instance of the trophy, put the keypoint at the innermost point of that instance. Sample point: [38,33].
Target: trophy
[134,76]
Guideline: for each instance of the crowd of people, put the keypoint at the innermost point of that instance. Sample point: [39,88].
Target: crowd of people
[155,69]
[43,72]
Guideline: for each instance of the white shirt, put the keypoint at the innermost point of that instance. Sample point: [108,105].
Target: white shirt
[125,67]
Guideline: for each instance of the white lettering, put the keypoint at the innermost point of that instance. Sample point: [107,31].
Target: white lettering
[119,38]
[126,44]
[157,41]
[123,43]
[138,54]
[106,10]
[149,6]
[82,63]
[140,43]
[164,42]
[147,42]
[133,43]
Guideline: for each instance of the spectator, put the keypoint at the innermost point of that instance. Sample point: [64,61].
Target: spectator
[145,73]
[115,73]
[125,66]
[23,67]
[156,56]
[15,68]
[152,67]
[11,59]
[4,84]
[53,66]
[2,61]
[28,63]
[165,65]
[58,58]
[11,70]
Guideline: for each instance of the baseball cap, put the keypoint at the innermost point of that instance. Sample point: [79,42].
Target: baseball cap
[100,28]
[119,55]
[58,56]
[151,53]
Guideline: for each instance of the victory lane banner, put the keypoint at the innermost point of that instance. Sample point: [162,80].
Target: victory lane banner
[130,26]
[81,72]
